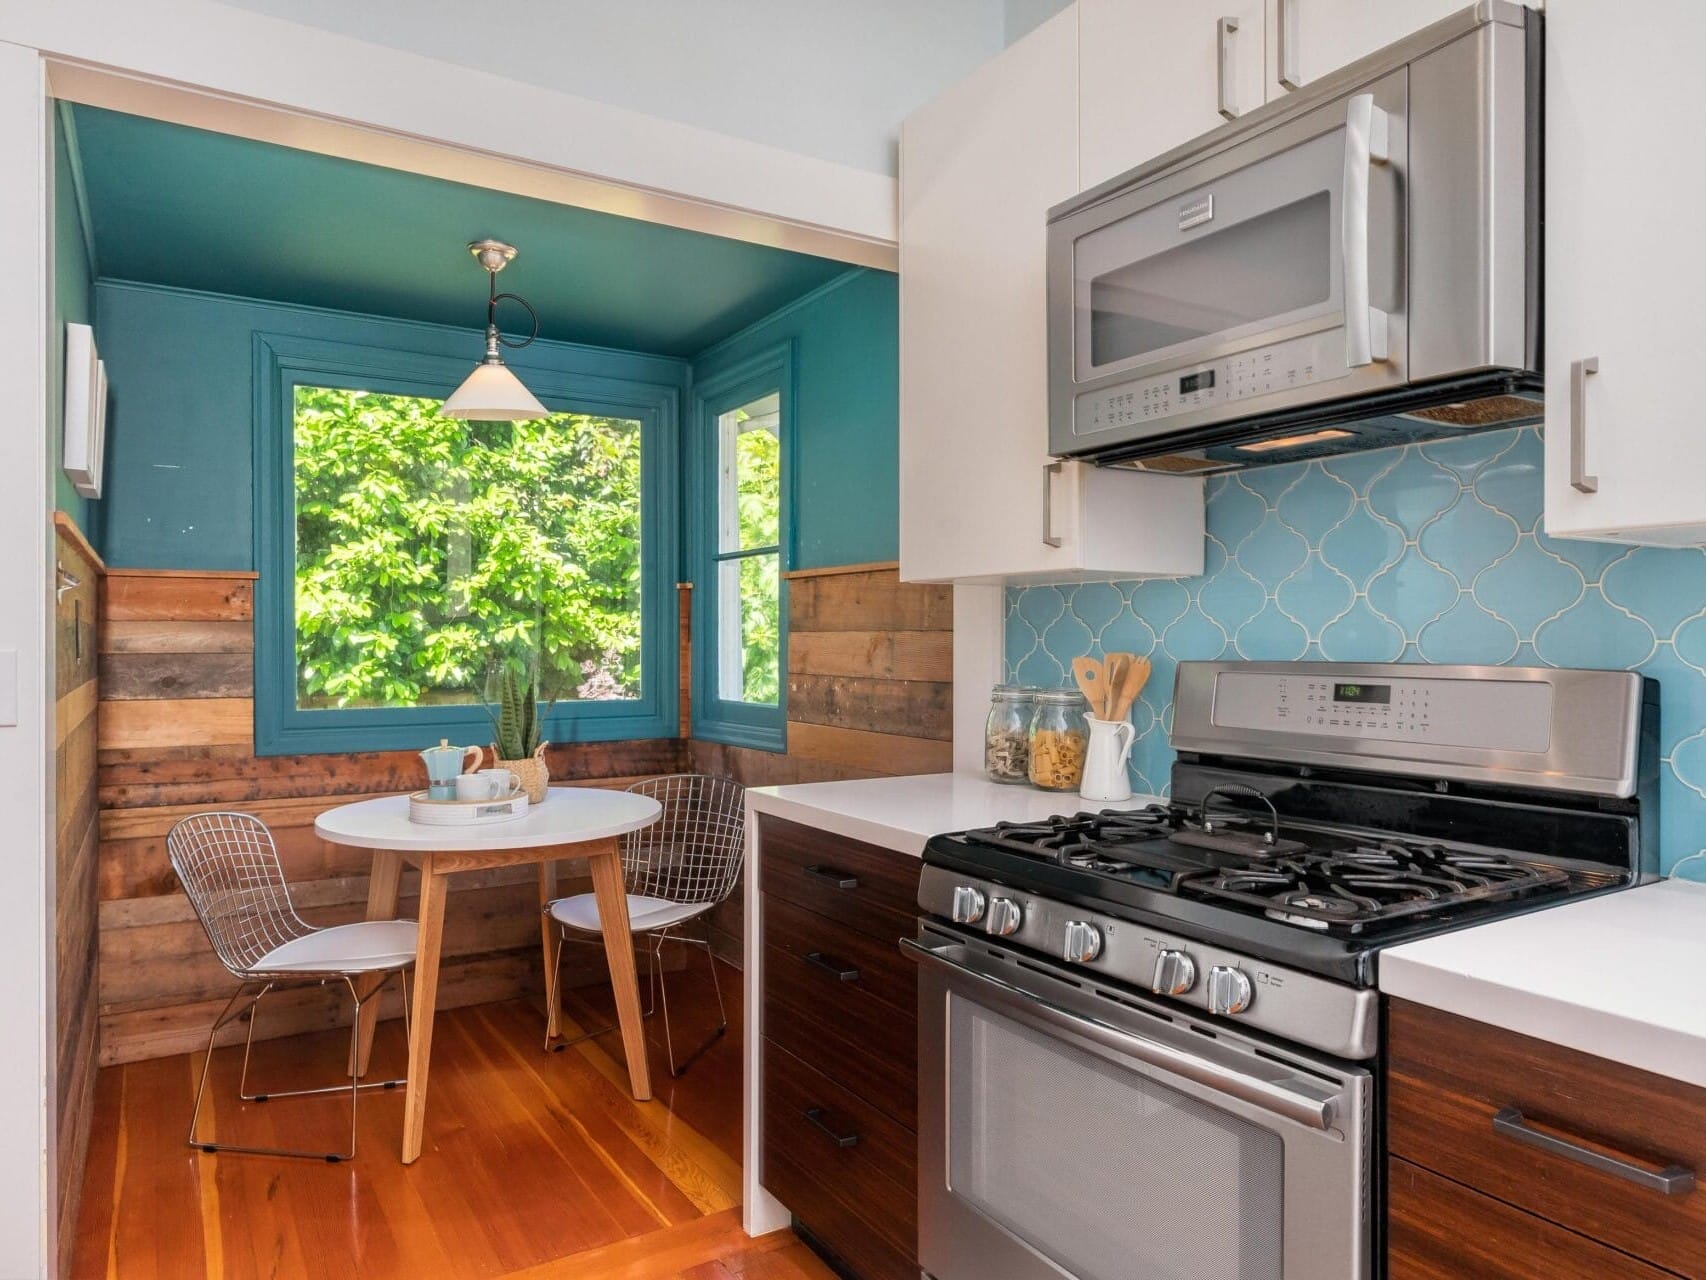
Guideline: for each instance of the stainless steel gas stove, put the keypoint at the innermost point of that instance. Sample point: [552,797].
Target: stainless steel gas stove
[1182,997]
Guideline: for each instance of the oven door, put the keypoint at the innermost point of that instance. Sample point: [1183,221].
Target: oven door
[1265,273]
[1069,1132]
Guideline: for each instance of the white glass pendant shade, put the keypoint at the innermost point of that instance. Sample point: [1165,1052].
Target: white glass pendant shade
[493,394]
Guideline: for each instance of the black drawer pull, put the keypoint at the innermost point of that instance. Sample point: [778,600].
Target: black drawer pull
[845,972]
[840,879]
[814,1115]
[1674,1180]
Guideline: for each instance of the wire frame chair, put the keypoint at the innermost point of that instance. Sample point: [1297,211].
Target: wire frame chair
[690,857]
[229,868]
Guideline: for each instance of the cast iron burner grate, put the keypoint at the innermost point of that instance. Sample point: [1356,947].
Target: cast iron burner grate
[1352,888]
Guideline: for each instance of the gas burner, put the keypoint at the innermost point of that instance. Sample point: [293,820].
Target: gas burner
[1355,887]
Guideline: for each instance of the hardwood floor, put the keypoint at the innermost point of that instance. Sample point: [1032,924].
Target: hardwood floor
[536,1166]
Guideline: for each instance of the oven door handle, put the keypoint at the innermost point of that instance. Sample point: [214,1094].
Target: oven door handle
[1269,1095]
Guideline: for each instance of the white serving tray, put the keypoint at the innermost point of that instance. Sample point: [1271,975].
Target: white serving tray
[465,813]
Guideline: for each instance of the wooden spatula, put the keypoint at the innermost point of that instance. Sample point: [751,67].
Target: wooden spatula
[1092,683]
[1114,667]
[1133,676]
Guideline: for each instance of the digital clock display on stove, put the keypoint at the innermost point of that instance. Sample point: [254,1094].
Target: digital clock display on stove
[1380,694]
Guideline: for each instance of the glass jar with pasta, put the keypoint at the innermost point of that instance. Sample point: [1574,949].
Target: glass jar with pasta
[1058,739]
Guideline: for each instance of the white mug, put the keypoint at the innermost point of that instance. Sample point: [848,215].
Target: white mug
[473,786]
[504,783]
[1105,776]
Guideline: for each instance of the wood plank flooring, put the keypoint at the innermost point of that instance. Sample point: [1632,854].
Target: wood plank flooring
[537,1166]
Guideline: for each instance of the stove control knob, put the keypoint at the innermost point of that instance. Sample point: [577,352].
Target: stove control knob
[1083,942]
[968,904]
[1004,918]
[1228,990]
[1175,974]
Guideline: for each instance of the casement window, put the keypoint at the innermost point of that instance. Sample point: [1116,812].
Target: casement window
[742,426]
[401,550]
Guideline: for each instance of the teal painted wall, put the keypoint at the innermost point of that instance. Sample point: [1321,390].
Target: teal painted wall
[73,303]
[180,365]
[846,464]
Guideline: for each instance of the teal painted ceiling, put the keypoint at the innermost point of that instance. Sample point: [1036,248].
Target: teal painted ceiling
[177,206]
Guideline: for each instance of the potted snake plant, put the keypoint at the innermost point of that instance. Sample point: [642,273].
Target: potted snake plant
[518,715]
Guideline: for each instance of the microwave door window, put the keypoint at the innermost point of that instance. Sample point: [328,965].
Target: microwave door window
[1264,268]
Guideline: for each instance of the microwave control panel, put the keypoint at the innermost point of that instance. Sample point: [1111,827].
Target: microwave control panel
[1297,362]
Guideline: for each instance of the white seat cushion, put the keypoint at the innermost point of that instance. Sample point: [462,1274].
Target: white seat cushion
[364,947]
[644,914]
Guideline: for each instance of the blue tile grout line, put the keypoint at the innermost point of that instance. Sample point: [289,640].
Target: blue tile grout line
[1428,553]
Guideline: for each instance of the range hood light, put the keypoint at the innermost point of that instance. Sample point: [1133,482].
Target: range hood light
[492,393]
[1288,442]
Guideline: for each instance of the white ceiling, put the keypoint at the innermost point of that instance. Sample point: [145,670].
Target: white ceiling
[826,78]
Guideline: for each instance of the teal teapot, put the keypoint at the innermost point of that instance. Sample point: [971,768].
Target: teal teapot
[443,763]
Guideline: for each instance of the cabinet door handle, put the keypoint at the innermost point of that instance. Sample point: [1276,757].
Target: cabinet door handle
[1289,75]
[814,1117]
[840,879]
[1226,73]
[830,965]
[1050,537]
[1673,1180]
[1579,477]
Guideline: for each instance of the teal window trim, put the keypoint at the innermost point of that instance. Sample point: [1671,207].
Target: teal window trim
[717,719]
[282,362]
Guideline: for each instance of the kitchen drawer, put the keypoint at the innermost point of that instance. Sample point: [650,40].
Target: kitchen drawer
[868,1047]
[1438,1230]
[1449,1076]
[841,961]
[868,1153]
[869,889]
[833,1205]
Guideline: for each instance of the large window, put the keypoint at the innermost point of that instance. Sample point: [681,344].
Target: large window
[409,553]
[741,420]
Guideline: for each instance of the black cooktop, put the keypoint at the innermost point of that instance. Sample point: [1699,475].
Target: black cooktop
[1313,872]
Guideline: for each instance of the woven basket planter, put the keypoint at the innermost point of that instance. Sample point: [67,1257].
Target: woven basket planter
[534,773]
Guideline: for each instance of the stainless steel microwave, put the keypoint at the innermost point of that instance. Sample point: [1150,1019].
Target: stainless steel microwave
[1354,266]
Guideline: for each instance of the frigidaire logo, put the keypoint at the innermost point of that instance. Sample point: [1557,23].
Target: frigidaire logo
[1196,212]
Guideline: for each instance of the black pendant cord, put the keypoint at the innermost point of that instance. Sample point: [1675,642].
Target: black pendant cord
[492,312]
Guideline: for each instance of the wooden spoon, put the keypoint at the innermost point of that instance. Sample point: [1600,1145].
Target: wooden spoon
[1132,679]
[1115,666]
[1092,682]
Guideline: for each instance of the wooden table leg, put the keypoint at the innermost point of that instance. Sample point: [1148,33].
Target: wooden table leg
[381,905]
[433,885]
[548,930]
[605,861]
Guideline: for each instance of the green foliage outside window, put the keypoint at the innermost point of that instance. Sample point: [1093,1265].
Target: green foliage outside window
[758,471]
[424,545]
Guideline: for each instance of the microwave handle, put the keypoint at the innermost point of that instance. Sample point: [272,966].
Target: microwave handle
[1366,138]
[1273,1096]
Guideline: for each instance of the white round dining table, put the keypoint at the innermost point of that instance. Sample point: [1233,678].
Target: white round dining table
[571,822]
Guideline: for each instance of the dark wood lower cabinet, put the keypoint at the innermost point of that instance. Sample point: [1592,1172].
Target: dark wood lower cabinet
[1513,1157]
[1438,1229]
[840,1027]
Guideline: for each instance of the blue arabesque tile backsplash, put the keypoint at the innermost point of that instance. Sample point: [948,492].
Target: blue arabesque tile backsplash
[1429,553]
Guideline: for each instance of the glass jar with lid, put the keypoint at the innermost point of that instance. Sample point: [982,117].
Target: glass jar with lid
[1007,732]
[1058,739]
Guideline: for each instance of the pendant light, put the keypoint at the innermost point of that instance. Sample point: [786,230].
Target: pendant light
[492,393]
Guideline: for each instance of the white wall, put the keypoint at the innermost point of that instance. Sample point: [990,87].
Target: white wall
[1021,17]
[826,78]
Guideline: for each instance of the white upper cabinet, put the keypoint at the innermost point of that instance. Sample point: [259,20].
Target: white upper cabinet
[1306,39]
[1156,73]
[980,498]
[1625,272]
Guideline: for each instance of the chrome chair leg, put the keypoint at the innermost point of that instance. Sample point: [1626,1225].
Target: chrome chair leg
[556,976]
[677,1071]
[355,1085]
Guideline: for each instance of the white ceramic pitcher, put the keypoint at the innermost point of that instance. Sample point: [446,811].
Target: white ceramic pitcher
[1110,746]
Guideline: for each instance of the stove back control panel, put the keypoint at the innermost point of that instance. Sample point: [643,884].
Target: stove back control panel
[1326,1015]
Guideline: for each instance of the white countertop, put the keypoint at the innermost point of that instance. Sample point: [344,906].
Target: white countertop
[1616,976]
[902,813]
